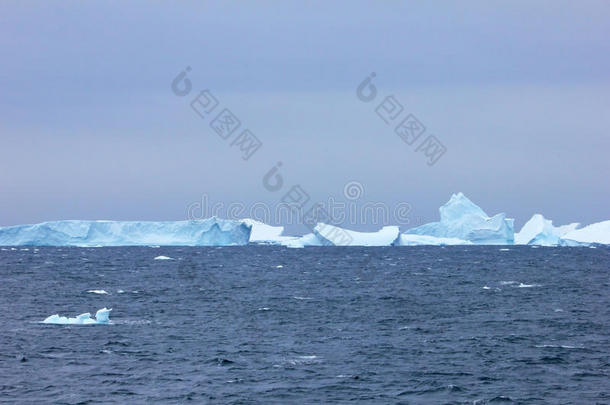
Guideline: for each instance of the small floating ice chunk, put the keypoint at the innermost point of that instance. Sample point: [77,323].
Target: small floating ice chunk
[97,291]
[102,316]
[163,258]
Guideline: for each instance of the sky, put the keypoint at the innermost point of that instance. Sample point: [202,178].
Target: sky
[516,92]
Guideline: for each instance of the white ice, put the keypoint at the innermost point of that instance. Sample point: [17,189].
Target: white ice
[594,233]
[406,239]
[207,232]
[335,236]
[102,316]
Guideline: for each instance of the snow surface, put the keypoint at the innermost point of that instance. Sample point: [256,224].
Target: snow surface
[595,233]
[102,316]
[334,236]
[540,231]
[208,232]
[462,219]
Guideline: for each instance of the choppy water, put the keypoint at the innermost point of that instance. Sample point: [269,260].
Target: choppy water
[370,325]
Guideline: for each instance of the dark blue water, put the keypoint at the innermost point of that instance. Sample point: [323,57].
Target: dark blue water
[365,325]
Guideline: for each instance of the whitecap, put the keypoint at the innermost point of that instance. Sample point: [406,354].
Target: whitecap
[558,347]
[504,250]
[120,291]
[507,282]
[163,258]
[279,266]
[521,285]
[486,288]
[302,298]
[264,309]
[97,291]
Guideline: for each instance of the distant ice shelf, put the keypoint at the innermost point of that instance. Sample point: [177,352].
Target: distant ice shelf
[462,222]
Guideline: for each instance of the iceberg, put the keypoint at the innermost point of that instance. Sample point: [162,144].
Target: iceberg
[464,220]
[300,242]
[331,235]
[207,232]
[540,231]
[595,233]
[406,239]
[264,234]
[102,317]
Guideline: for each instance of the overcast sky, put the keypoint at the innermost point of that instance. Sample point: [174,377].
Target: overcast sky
[518,92]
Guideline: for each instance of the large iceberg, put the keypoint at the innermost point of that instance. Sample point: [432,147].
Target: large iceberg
[102,317]
[594,233]
[264,234]
[207,232]
[406,239]
[464,220]
[331,235]
[540,231]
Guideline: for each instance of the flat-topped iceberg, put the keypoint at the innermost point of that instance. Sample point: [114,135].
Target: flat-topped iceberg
[264,234]
[595,233]
[207,232]
[309,239]
[331,235]
[540,231]
[102,317]
[406,239]
[462,219]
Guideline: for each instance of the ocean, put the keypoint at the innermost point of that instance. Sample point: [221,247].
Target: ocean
[266,325]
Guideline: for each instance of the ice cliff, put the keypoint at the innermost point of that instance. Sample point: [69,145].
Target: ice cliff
[208,232]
